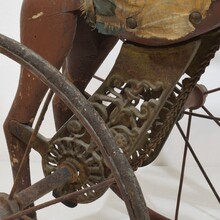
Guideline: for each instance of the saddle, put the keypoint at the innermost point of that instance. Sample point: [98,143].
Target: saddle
[166,20]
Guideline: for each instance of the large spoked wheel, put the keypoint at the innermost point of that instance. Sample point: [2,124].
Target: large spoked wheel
[189,181]
[196,130]
[77,171]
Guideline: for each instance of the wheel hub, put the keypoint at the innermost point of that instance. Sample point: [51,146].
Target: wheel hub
[196,98]
[75,152]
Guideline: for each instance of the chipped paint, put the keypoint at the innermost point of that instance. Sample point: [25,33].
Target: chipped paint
[31,120]
[15,147]
[38,15]
[15,161]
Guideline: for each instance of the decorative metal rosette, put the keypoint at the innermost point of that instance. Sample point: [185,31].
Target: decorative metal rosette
[79,153]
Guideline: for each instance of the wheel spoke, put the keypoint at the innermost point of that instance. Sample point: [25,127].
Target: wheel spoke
[212,91]
[32,139]
[198,162]
[64,198]
[211,117]
[183,166]
[98,78]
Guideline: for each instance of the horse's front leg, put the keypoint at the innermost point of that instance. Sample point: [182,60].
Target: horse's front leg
[47,27]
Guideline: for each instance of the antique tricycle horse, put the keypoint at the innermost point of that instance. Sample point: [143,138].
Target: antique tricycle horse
[102,138]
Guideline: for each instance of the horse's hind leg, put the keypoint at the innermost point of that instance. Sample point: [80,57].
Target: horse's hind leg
[88,51]
[48,28]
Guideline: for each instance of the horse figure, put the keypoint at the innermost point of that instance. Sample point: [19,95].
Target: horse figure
[79,34]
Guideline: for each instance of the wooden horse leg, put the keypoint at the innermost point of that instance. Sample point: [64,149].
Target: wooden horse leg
[47,27]
[89,50]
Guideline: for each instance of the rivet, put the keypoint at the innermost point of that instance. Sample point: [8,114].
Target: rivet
[195,18]
[131,23]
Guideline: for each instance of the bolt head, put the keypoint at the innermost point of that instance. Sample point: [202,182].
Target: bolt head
[195,18]
[131,23]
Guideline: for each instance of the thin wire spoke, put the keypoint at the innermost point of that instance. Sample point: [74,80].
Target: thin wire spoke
[64,198]
[202,116]
[180,84]
[183,167]
[198,162]
[211,115]
[98,78]
[32,139]
[212,91]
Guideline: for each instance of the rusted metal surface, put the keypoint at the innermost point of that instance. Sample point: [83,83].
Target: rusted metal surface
[196,98]
[130,115]
[7,207]
[71,145]
[133,101]
[57,200]
[55,180]
[129,102]
[114,158]
[208,47]
[24,132]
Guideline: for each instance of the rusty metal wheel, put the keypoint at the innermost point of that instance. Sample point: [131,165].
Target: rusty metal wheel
[198,115]
[199,112]
[81,161]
